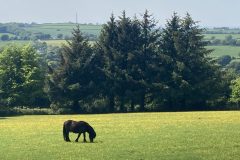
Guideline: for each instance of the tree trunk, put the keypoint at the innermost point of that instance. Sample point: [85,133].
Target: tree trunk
[122,104]
[111,103]
[132,106]
[142,102]
[76,107]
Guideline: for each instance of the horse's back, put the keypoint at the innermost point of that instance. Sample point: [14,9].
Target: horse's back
[76,126]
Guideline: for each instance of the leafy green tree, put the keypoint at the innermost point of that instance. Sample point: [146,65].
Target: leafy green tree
[5,37]
[21,77]
[234,65]
[224,60]
[235,95]
[60,36]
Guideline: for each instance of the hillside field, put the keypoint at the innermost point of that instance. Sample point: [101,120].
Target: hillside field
[179,135]
[233,51]
[63,28]
[221,36]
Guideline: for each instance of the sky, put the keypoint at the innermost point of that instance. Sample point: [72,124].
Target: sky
[209,13]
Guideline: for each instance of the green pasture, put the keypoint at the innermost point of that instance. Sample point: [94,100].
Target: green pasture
[218,50]
[15,42]
[227,31]
[183,135]
[224,50]
[61,42]
[9,34]
[56,42]
[63,28]
[221,36]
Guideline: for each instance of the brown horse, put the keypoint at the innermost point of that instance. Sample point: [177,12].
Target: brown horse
[78,127]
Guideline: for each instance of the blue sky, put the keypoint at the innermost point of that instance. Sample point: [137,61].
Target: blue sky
[208,12]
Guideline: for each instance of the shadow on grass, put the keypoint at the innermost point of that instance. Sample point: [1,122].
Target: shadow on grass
[86,142]
[98,142]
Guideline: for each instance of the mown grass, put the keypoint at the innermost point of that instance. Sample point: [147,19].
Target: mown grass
[186,135]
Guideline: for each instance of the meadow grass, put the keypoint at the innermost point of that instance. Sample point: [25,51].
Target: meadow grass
[184,135]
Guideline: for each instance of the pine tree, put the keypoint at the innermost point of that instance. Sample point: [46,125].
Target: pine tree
[124,34]
[107,45]
[197,71]
[147,57]
[192,71]
[72,81]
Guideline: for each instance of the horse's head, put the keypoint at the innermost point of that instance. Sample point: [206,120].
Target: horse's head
[92,133]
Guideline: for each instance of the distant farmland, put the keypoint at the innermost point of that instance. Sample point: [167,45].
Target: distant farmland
[225,50]
[63,28]
[54,29]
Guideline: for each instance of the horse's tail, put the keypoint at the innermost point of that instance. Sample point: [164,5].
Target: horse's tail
[64,132]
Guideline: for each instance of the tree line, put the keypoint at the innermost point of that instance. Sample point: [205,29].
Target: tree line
[229,40]
[134,66]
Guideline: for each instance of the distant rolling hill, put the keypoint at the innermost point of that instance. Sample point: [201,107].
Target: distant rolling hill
[63,28]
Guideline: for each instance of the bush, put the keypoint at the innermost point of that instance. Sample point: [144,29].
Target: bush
[5,111]
[5,37]
[224,60]
[32,111]
[94,106]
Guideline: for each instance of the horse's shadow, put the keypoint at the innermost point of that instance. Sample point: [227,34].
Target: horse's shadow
[98,142]
[95,142]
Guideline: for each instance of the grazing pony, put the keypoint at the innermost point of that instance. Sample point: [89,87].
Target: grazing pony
[78,127]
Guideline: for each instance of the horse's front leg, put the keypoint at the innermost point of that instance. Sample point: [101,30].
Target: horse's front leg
[79,134]
[84,135]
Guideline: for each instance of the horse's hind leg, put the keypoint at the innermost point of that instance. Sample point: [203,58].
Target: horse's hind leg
[84,137]
[67,137]
[79,134]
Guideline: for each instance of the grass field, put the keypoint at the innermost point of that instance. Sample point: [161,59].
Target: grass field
[55,42]
[63,28]
[17,42]
[186,135]
[218,50]
[221,36]
[225,50]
